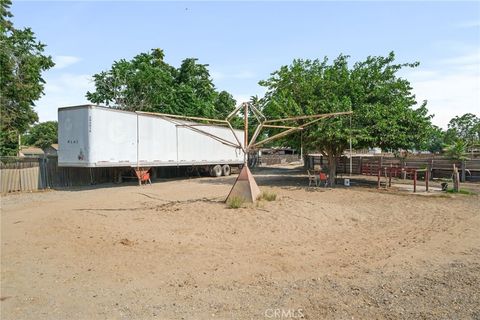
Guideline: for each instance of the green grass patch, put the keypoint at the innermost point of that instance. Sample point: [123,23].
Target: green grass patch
[461,191]
[235,202]
[268,196]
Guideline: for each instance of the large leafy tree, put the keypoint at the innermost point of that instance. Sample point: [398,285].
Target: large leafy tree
[42,135]
[21,65]
[465,128]
[435,140]
[385,113]
[224,104]
[148,83]
[463,134]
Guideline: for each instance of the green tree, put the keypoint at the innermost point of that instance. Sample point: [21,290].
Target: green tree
[224,104]
[386,114]
[42,135]
[463,134]
[21,65]
[145,83]
[457,150]
[465,128]
[435,141]
[450,137]
[148,83]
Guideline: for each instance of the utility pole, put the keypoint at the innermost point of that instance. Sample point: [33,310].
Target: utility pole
[19,144]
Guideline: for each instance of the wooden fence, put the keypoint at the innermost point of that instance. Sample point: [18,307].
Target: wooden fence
[271,159]
[437,167]
[31,174]
[21,174]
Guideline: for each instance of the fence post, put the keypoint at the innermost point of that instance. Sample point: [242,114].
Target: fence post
[46,172]
[427,177]
[431,169]
[390,176]
[378,178]
[456,184]
[43,171]
[463,168]
[414,180]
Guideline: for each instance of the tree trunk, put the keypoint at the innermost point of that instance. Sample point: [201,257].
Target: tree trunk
[332,169]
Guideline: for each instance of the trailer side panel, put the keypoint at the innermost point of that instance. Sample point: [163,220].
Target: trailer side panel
[73,137]
[113,137]
[157,141]
[93,136]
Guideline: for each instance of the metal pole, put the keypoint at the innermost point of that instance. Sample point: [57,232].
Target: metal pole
[350,145]
[245,143]
[138,150]
[19,144]
[301,146]
[315,116]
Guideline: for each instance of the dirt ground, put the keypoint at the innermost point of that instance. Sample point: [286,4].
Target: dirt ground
[173,250]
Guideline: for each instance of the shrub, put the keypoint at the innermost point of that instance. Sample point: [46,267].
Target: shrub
[235,202]
[269,196]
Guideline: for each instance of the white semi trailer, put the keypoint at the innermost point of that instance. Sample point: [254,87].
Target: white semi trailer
[94,136]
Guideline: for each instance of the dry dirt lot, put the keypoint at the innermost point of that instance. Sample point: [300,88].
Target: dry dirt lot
[173,250]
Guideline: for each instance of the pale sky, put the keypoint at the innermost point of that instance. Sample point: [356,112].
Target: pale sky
[243,42]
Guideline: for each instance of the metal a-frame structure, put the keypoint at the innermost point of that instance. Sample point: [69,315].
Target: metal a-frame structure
[245,186]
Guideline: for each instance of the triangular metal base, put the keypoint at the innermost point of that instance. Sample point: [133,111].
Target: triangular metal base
[245,186]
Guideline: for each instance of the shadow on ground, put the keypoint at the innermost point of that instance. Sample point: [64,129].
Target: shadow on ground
[286,178]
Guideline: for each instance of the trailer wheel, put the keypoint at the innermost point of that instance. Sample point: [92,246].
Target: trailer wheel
[226,170]
[216,171]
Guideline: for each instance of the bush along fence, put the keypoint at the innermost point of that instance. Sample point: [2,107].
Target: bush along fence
[401,167]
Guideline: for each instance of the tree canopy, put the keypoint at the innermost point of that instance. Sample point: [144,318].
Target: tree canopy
[465,128]
[42,135]
[148,83]
[462,135]
[21,65]
[385,112]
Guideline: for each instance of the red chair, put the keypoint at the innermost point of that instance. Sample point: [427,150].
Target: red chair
[323,178]
[143,176]
[146,178]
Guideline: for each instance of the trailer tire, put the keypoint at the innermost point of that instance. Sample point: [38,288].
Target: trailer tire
[216,171]
[226,170]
